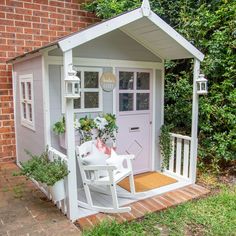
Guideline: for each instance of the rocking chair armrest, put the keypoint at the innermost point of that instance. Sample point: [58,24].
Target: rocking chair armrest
[129,156]
[99,167]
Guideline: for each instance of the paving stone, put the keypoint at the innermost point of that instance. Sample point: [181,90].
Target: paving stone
[24,212]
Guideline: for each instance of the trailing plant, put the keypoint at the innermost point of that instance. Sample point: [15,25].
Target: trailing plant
[60,126]
[41,169]
[85,128]
[165,146]
[110,128]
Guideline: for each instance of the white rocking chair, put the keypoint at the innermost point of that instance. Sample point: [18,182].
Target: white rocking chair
[97,170]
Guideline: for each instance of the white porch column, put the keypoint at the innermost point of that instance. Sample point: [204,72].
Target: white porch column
[194,138]
[72,199]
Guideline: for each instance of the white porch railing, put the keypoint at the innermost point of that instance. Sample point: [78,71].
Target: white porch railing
[179,162]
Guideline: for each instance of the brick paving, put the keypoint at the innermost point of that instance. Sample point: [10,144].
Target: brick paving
[25,211]
[140,208]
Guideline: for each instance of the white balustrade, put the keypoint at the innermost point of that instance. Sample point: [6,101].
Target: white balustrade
[180,157]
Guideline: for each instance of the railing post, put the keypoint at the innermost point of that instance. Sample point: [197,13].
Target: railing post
[72,199]
[194,130]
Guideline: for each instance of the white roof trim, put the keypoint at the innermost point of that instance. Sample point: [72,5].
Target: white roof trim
[99,30]
[122,20]
[176,36]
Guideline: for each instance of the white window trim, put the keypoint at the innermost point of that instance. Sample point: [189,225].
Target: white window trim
[99,90]
[26,122]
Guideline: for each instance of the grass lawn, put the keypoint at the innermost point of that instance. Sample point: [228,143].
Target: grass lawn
[214,215]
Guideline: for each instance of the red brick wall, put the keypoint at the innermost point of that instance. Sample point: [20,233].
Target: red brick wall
[24,26]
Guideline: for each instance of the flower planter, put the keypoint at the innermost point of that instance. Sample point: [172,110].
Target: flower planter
[63,141]
[58,191]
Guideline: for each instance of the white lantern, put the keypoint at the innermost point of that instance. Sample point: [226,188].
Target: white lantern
[201,85]
[72,84]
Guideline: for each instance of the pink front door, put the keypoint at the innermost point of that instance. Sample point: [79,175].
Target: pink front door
[134,116]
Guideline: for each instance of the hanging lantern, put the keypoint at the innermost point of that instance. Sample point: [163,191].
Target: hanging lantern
[201,85]
[72,84]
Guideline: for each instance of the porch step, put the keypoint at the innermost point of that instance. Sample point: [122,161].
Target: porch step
[140,208]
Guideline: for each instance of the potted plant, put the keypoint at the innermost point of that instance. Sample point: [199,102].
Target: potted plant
[88,129]
[107,128]
[59,128]
[45,171]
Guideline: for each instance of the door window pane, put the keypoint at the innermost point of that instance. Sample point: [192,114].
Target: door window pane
[91,100]
[126,101]
[143,81]
[142,101]
[77,103]
[91,79]
[126,80]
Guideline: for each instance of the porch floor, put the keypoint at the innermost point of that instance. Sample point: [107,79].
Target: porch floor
[105,200]
[151,204]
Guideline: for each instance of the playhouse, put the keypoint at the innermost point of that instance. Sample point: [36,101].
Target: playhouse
[131,48]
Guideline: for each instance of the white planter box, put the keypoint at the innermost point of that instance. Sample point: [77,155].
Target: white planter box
[63,141]
[58,191]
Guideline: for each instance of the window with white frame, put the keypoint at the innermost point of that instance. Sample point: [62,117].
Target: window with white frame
[91,92]
[26,100]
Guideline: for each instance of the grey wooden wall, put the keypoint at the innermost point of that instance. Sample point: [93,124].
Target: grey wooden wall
[28,139]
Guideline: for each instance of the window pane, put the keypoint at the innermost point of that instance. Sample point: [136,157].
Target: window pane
[143,81]
[142,101]
[23,89]
[30,112]
[91,79]
[24,110]
[91,100]
[126,80]
[126,101]
[28,90]
[77,103]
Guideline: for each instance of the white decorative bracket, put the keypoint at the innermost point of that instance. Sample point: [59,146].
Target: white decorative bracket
[146,9]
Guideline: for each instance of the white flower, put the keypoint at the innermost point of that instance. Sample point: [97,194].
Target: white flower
[77,124]
[100,122]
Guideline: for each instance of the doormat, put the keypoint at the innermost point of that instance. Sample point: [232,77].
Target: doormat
[147,181]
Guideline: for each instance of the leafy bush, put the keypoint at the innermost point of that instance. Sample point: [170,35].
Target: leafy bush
[210,26]
[41,169]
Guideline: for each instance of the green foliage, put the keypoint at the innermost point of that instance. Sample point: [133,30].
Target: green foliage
[214,215]
[87,124]
[110,129]
[165,146]
[60,126]
[210,26]
[41,169]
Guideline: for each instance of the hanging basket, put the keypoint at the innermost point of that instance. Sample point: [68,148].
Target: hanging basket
[58,191]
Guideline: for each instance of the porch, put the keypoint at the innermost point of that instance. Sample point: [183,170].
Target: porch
[139,208]
[179,170]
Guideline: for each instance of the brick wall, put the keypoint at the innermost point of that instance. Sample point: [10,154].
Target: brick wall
[24,26]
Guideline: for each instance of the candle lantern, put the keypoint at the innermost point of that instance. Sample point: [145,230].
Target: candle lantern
[72,84]
[201,85]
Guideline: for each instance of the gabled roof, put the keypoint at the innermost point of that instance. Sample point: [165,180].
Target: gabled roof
[141,24]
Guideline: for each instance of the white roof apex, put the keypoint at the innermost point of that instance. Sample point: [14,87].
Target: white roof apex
[146,9]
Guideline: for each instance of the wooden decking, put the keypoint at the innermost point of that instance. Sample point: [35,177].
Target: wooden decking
[152,204]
